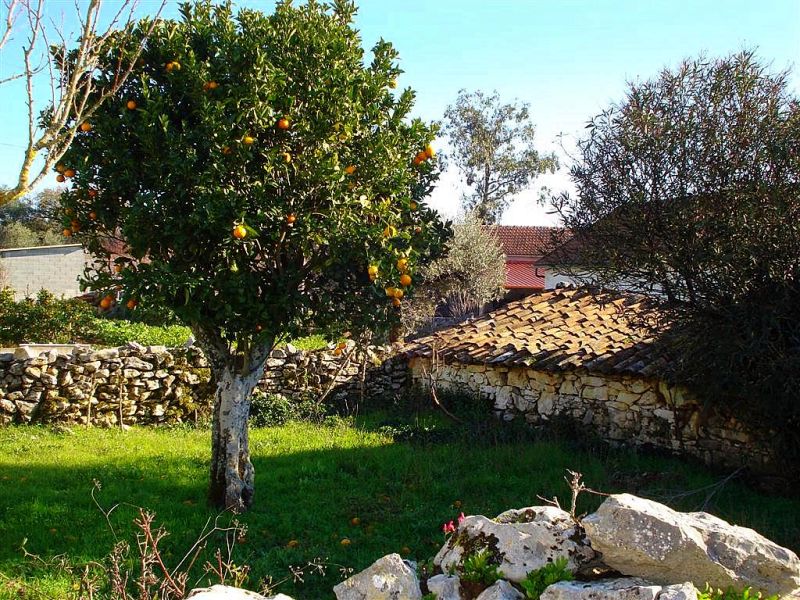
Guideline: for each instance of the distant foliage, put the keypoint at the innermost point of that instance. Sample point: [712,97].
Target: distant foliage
[271,410]
[493,150]
[31,222]
[46,319]
[469,276]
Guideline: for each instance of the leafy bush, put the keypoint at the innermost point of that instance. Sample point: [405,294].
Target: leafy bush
[730,594]
[480,568]
[43,319]
[50,320]
[107,332]
[271,410]
[537,581]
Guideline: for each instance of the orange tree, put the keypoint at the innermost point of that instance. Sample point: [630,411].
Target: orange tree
[265,179]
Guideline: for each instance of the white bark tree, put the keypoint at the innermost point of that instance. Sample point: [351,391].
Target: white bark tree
[73,93]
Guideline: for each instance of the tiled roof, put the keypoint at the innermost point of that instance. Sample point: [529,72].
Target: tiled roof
[524,275]
[555,331]
[531,241]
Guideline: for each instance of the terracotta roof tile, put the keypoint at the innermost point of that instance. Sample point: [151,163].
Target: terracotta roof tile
[556,330]
[533,241]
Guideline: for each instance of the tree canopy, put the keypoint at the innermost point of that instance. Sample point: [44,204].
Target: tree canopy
[492,147]
[265,179]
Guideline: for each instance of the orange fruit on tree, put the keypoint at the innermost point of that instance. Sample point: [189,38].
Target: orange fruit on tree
[118,269]
[69,173]
[131,304]
[283,123]
[92,215]
[66,232]
[396,301]
[405,279]
[429,151]
[131,105]
[287,158]
[92,193]
[350,169]
[390,231]
[60,178]
[291,218]
[389,291]
[226,150]
[420,158]
[60,168]
[240,232]
[86,126]
[212,85]
[259,328]
[337,351]
[372,271]
[355,521]
[173,65]
[398,293]
[106,302]
[402,264]
[76,227]
[248,140]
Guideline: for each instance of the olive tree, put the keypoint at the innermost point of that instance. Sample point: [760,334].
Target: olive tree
[264,179]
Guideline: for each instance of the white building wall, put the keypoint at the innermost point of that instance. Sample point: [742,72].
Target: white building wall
[53,268]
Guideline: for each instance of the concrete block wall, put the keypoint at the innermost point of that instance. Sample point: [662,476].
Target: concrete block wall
[53,268]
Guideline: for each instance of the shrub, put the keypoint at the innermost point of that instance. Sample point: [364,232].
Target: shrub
[272,410]
[43,319]
[116,333]
[537,581]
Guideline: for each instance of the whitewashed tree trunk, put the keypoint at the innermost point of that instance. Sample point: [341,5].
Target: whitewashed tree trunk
[232,473]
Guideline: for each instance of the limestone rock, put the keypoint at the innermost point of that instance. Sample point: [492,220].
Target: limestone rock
[521,541]
[647,539]
[388,578]
[224,592]
[680,591]
[446,587]
[608,589]
[500,590]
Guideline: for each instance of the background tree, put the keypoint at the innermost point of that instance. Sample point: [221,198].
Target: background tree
[469,276]
[265,180]
[688,189]
[73,95]
[492,147]
[31,222]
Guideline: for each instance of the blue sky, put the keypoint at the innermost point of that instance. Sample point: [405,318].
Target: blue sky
[568,58]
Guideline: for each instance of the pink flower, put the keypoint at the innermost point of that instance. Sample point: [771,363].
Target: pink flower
[448,528]
[461,518]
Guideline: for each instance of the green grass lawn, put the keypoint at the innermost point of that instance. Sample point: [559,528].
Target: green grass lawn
[312,480]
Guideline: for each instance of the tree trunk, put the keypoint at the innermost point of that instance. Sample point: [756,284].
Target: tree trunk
[232,473]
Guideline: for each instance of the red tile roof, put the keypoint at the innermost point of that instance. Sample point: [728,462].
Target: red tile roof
[524,275]
[533,241]
[555,331]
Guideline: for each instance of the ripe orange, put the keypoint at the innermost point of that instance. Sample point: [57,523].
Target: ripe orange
[389,291]
[212,85]
[345,542]
[66,232]
[372,270]
[355,521]
[429,151]
[173,65]
[290,219]
[86,126]
[402,264]
[259,327]
[92,193]
[398,293]
[60,178]
[131,105]
[350,169]
[420,158]
[396,301]
[405,280]
[92,215]
[283,123]
[226,150]
[131,304]
[417,229]
[248,140]
[69,173]
[60,168]
[76,227]
[337,351]
[118,268]
[390,231]
[106,302]
[287,158]
[240,232]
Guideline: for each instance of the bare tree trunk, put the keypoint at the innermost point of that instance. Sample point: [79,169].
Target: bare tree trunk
[232,473]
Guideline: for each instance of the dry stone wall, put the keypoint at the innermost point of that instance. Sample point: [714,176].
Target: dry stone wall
[154,385]
[621,410]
